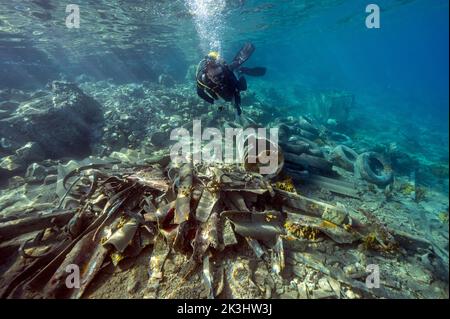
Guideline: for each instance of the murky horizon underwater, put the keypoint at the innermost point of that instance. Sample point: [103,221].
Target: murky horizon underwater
[115,87]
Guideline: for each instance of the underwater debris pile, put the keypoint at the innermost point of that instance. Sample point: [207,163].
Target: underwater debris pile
[310,148]
[228,231]
[205,225]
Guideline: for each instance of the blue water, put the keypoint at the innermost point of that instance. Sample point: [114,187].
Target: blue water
[406,60]
[400,70]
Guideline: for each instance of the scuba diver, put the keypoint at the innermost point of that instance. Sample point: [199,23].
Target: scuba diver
[217,79]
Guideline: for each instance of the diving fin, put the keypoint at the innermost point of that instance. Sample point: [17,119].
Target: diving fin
[242,56]
[258,71]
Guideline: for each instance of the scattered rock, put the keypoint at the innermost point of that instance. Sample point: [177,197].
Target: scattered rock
[36,173]
[16,181]
[135,280]
[324,285]
[302,291]
[31,151]
[332,122]
[291,294]
[351,295]
[336,286]
[323,294]
[50,179]
[11,164]
[355,271]
[280,290]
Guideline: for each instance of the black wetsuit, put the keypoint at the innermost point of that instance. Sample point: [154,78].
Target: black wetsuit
[227,86]
[216,79]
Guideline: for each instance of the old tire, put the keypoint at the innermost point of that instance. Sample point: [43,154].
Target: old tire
[343,156]
[340,138]
[373,168]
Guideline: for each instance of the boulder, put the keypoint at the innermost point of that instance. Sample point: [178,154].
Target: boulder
[61,123]
[31,151]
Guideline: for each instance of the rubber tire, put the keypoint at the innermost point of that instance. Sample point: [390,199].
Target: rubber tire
[365,171]
[340,138]
[344,157]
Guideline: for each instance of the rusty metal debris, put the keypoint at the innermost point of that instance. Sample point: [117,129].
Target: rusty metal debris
[195,211]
